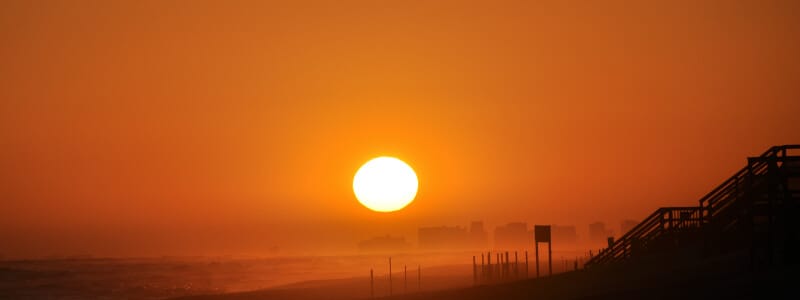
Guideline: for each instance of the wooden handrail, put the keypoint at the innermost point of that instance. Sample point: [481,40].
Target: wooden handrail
[710,205]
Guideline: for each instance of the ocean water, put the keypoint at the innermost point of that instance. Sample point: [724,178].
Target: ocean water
[160,278]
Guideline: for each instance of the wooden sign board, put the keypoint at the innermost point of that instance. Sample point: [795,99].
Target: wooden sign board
[541,233]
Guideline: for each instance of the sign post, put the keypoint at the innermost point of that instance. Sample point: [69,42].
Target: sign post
[542,235]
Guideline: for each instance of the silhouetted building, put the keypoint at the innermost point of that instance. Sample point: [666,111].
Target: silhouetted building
[513,236]
[383,244]
[564,236]
[626,225]
[457,237]
[598,233]
[479,235]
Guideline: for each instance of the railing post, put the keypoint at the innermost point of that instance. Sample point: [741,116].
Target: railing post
[703,212]
[671,219]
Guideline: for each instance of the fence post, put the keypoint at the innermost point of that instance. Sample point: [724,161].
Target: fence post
[550,257]
[499,266]
[527,268]
[483,268]
[537,260]
[405,279]
[489,265]
[371,284]
[419,277]
[507,267]
[474,271]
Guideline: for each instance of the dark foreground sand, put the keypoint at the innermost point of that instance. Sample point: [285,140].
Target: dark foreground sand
[432,279]
[718,281]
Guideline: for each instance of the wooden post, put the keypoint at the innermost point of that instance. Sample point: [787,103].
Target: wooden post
[474,271]
[507,267]
[390,276]
[371,284]
[405,279]
[499,266]
[550,258]
[483,269]
[527,267]
[537,259]
[516,265]
[502,266]
[489,264]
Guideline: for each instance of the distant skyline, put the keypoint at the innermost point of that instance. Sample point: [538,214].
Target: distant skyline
[148,128]
[478,237]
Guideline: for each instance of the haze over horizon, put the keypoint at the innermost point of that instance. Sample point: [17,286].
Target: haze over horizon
[148,128]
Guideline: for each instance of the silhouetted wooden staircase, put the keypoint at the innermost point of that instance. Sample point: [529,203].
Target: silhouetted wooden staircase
[754,212]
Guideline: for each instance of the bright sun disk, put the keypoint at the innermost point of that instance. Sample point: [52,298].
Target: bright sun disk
[385,184]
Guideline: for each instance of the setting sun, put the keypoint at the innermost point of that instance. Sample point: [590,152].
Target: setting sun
[385,184]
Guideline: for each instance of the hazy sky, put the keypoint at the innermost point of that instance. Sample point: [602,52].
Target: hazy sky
[193,127]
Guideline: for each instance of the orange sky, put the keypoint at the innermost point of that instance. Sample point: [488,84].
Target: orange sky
[186,127]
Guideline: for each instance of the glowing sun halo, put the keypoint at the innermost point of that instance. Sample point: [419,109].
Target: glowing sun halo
[385,184]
